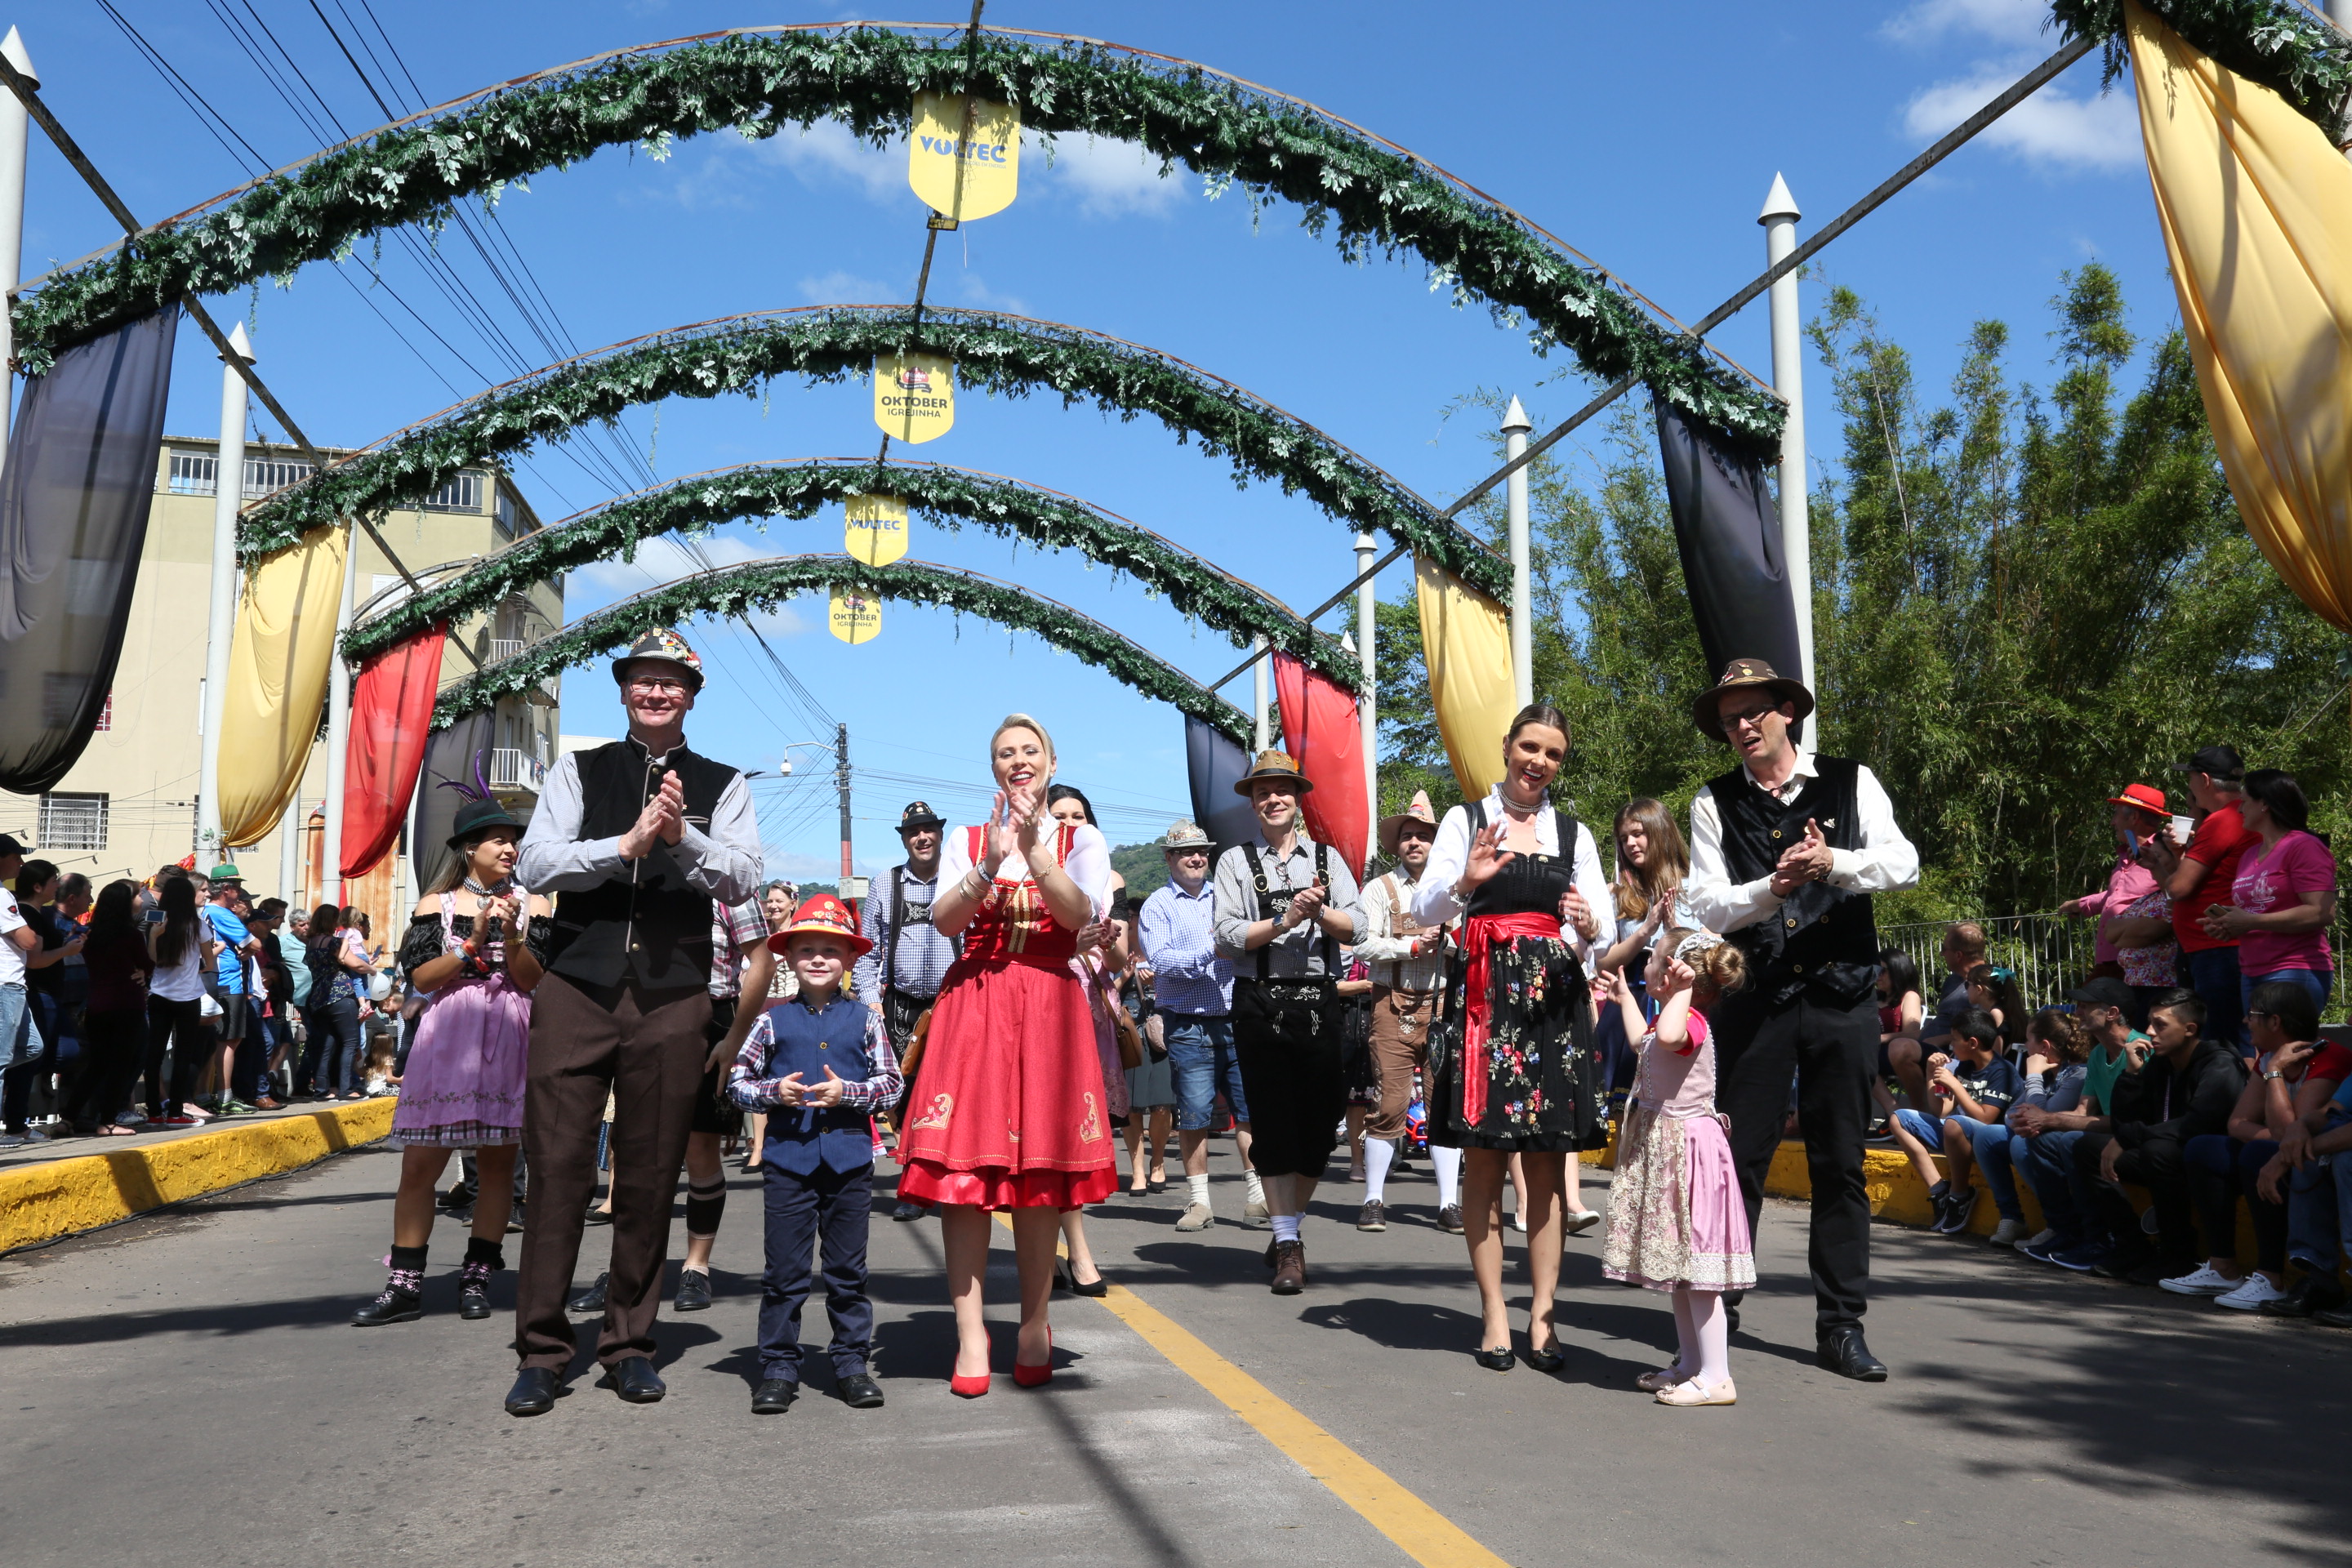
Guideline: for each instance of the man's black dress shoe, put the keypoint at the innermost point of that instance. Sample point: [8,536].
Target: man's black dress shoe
[1841,1351]
[593,1298]
[774,1395]
[535,1391]
[634,1379]
[693,1290]
[2311,1293]
[474,1300]
[859,1391]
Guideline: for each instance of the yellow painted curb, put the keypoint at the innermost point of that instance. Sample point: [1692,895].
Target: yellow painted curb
[39,1203]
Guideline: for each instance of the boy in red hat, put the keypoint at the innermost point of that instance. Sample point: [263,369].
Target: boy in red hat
[819,1065]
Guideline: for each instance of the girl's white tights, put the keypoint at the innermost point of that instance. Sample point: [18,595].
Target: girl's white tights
[1705,1330]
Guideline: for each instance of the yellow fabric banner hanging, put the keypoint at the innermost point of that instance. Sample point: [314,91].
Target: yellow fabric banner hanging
[873,528]
[853,617]
[1466,644]
[2256,209]
[964,179]
[914,396]
[278,667]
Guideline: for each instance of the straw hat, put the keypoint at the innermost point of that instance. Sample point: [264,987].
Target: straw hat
[1392,828]
[1273,765]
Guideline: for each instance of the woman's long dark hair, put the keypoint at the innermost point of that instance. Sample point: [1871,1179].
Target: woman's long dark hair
[115,916]
[177,897]
[1902,974]
[1057,794]
[461,861]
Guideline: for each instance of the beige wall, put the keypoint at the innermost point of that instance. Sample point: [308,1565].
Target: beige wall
[146,760]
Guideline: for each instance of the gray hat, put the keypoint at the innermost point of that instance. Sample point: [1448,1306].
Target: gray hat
[1183,836]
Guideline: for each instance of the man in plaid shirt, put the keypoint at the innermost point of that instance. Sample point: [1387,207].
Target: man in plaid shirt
[740,965]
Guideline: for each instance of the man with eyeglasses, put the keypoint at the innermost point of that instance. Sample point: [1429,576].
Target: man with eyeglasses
[1192,987]
[900,973]
[634,840]
[1786,850]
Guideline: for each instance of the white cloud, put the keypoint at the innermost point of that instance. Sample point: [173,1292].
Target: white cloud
[839,288]
[2049,129]
[1110,179]
[826,151]
[979,296]
[2011,22]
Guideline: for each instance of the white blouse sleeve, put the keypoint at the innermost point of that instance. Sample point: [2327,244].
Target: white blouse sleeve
[955,857]
[1594,886]
[1090,866]
[1434,901]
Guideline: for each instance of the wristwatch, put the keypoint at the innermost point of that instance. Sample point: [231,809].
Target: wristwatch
[2273,1075]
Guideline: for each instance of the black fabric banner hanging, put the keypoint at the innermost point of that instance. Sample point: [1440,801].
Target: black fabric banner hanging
[1214,764]
[74,499]
[457,770]
[1728,530]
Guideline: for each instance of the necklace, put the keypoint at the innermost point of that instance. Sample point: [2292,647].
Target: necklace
[505,885]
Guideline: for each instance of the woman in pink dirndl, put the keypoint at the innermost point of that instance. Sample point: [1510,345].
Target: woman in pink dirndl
[1011,1112]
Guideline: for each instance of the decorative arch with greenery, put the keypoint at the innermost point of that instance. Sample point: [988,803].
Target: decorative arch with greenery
[949,496]
[758,81]
[1009,354]
[757,585]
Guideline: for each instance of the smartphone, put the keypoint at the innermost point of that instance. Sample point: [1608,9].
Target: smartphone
[154,916]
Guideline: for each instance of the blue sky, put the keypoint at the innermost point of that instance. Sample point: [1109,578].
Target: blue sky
[1646,136]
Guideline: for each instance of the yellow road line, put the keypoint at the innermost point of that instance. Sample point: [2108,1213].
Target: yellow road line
[1423,1534]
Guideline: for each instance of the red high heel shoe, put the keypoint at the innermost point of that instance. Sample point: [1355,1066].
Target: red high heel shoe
[971,1387]
[1034,1376]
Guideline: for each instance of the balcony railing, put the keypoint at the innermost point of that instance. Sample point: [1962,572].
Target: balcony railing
[505,648]
[514,769]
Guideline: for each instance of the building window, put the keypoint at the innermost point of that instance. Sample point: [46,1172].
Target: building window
[106,714]
[267,476]
[72,822]
[463,493]
[191,475]
[508,514]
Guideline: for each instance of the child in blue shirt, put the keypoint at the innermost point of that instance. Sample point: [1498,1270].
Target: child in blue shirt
[1970,1092]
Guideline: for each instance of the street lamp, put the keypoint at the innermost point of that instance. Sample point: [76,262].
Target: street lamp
[853,888]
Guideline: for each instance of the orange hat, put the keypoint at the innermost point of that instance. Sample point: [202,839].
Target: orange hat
[827,916]
[2147,797]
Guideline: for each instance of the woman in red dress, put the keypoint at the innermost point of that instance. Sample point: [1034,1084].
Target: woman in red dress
[1011,1112]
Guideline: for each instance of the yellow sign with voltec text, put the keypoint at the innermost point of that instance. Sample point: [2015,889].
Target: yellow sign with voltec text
[875,529]
[988,161]
[855,618]
[914,396]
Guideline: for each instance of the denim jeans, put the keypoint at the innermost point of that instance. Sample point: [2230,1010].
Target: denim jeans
[2221,1171]
[2213,975]
[1201,1055]
[335,1048]
[1990,1141]
[2318,1207]
[2319,983]
[35,1052]
[2046,1160]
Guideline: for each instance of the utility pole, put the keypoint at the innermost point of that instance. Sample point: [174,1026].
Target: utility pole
[1779,220]
[849,894]
[1367,705]
[1516,426]
[229,496]
[14,130]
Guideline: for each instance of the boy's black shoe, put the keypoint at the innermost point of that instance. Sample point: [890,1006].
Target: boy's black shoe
[774,1397]
[2311,1293]
[859,1391]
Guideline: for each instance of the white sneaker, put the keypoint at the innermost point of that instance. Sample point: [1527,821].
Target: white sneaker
[2007,1233]
[2039,1239]
[2205,1281]
[35,1135]
[2250,1296]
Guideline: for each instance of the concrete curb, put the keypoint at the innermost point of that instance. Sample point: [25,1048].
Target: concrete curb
[41,1203]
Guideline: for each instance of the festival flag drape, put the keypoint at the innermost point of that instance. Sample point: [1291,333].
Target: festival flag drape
[1728,530]
[1323,735]
[457,769]
[277,669]
[391,707]
[74,501]
[2256,209]
[1465,646]
[1213,765]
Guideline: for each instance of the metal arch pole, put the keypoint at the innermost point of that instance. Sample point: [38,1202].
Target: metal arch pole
[1779,220]
[16,128]
[1366,697]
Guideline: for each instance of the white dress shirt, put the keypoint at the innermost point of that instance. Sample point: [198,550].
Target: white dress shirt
[1390,955]
[1434,903]
[1884,864]
[724,862]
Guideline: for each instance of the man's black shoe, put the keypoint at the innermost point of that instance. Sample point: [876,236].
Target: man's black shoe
[634,1379]
[2148,1275]
[535,1391]
[774,1397]
[2122,1265]
[395,1306]
[909,1211]
[2311,1293]
[2334,1317]
[693,1290]
[859,1391]
[1843,1352]
[593,1298]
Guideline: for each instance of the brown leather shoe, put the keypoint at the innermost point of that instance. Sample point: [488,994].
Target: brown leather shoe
[1289,1267]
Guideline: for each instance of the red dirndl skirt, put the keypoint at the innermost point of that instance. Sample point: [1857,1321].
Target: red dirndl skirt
[1009,1112]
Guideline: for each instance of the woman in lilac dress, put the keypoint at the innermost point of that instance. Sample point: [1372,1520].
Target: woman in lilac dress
[471,950]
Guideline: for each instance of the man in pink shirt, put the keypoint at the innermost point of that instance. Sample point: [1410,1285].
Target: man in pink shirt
[2133,941]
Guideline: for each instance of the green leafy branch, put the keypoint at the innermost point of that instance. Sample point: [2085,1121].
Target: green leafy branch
[2274,42]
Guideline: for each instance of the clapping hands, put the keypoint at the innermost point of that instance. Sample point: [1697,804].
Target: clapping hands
[1809,859]
[663,820]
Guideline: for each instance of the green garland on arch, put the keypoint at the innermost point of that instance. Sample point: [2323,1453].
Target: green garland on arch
[1373,196]
[757,585]
[948,496]
[1010,355]
[2278,44]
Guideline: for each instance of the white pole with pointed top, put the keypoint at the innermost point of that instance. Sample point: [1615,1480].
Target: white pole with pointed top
[1516,426]
[12,131]
[339,726]
[289,835]
[1779,220]
[228,496]
[1259,726]
[1367,704]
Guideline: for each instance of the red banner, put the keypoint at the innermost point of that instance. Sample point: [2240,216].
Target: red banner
[392,707]
[1320,732]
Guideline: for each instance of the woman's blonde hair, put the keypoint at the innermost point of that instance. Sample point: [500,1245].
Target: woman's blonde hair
[1717,969]
[1019,721]
[1638,887]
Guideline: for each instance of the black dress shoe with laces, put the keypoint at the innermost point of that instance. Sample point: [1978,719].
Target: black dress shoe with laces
[859,1391]
[474,1300]
[395,1306]
[2311,1293]
[593,1298]
[634,1379]
[1843,1352]
[693,1290]
[774,1395]
[536,1389]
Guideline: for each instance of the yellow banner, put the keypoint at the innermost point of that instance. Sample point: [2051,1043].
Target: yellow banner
[1465,646]
[989,165]
[279,659]
[874,529]
[914,396]
[855,618]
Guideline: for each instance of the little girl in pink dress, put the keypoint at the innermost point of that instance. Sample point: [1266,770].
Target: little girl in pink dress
[1676,1221]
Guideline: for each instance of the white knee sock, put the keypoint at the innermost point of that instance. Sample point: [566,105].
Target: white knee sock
[1713,1327]
[1448,1165]
[1686,1352]
[1379,1152]
[1257,1187]
[1286,1227]
[1197,1190]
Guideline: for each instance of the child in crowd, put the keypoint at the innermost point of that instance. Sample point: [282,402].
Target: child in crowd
[819,1065]
[1994,990]
[1969,1093]
[1676,1221]
[2051,1089]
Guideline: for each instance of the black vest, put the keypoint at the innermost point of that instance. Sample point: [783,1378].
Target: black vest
[647,924]
[1821,938]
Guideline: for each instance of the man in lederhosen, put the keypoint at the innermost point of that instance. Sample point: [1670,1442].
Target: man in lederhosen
[1407,964]
[1284,904]
[898,977]
[1786,850]
[634,839]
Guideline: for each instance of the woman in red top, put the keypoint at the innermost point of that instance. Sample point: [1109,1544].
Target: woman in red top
[114,1029]
[1011,1112]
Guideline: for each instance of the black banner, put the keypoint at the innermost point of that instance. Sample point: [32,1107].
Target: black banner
[457,769]
[1728,530]
[1214,764]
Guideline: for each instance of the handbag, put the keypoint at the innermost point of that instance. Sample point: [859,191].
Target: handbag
[916,1038]
[1131,1040]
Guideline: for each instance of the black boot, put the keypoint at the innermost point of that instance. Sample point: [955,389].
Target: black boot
[483,1259]
[402,1301]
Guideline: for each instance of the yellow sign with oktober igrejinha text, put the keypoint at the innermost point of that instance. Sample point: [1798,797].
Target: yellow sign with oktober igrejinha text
[855,618]
[958,175]
[914,396]
[875,529]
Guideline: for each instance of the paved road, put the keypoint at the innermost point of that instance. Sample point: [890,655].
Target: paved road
[184,1389]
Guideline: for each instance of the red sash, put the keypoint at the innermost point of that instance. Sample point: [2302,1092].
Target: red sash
[1479,933]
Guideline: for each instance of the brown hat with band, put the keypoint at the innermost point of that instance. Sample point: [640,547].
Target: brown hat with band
[1273,765]
[1742,674]
[1417,810]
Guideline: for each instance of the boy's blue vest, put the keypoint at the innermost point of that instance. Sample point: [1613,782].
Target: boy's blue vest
[807,1043]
